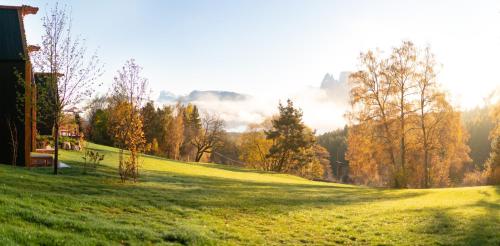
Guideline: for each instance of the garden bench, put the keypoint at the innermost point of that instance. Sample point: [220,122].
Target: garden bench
[41,159]
[45,151]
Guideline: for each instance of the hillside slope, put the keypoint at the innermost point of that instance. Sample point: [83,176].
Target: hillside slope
[201,204]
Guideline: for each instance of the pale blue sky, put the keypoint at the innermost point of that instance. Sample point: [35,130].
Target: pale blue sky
[275,49]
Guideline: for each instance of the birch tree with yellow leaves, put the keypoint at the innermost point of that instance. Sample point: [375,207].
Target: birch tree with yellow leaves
[403,132]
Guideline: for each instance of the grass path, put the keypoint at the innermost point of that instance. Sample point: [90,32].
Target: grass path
[206,204]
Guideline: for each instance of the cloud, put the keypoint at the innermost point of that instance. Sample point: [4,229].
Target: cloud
[323,106]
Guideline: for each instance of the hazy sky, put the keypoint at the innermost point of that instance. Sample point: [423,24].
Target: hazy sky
[276,49]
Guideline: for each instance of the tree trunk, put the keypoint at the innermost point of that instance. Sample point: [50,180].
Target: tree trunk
[198,156]
[426,151]
[425,138]
[13,140]
[120,163]
[402,181]
[56,146]
[426,170]
[388,135]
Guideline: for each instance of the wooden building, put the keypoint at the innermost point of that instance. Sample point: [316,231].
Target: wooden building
[17,87]
[45,107]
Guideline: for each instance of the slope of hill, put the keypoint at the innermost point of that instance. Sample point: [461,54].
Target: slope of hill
[201,204]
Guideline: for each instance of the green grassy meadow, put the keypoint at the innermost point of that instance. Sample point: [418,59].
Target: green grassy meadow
[179,203]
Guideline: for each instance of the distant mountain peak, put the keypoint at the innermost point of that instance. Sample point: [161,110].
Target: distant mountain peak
[330,83]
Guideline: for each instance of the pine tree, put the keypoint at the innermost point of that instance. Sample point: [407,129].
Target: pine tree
[291,139]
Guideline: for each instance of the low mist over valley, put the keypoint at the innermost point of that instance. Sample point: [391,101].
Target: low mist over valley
[238,110]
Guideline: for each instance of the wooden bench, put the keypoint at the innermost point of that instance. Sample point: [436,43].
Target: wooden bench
[41,159]
[45,151]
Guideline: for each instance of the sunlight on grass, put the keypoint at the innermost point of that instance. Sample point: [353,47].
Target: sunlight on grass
[179,203]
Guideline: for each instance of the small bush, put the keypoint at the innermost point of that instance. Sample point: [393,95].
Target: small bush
[475,178]
[91,160]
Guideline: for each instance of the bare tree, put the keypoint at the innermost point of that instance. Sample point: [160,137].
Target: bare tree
[210,136]
[71,73]
[14,141]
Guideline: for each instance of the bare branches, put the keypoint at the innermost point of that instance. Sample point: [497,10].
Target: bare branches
[129,85]
[71,73]
[211,135]
[14,141]
[64,57]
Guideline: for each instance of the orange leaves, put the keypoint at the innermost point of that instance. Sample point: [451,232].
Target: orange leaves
[403,131]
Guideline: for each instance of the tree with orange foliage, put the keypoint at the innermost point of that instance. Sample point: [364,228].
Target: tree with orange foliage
[493,163]
[125,122]
[254,146]
[174,132]
[403,131]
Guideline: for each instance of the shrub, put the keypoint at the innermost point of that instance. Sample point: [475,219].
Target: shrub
[91,160]
[475,178]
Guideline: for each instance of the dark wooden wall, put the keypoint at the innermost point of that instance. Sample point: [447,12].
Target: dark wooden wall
[12,107]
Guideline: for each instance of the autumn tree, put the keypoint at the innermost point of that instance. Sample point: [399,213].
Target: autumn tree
[403,131]
[254,146]
[192,127]
[400,72]
[367,153]
[493,163]
[128,93]
[170,130]
[431,107]
[370,99]
[324,168]
[317,164]
[72,72]
[174,132]
[479,124]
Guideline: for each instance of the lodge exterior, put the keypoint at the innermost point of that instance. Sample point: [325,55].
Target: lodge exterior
[17,87]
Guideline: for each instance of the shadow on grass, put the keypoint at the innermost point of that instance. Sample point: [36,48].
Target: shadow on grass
[210,165]
[185,196]
[233,168]
[453,227]
[197,192]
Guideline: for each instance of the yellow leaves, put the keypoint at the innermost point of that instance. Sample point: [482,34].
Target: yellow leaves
[125,124]
[495,116]
[401,123]
[254,147]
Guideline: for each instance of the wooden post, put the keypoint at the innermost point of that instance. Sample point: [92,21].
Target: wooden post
[27,114]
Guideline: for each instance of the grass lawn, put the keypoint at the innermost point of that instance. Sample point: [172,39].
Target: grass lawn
[205,204]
